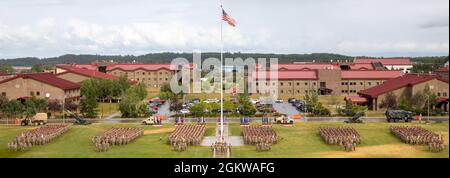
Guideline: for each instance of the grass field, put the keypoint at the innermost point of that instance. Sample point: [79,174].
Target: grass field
[300,141]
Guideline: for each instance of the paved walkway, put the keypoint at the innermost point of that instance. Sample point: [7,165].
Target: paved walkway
[233,140]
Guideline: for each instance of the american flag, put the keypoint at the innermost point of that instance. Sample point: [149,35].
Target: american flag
[227,18]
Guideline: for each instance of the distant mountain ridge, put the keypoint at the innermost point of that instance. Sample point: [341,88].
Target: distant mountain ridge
[167,57]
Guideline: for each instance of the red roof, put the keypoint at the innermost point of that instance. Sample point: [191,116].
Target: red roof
[307,66]
[361,66]
[384,61]
[356,99]
[4,74]
[370,74]
[129,67]
[47,78]
[134,67]
[288,75]
[442,69]
[86,66]
[441,99]
[86,72]
[397,83]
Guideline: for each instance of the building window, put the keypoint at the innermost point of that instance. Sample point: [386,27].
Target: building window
[378,83]
[4,94]
[160,73]
[38,93]
[290,84]
[444,94]
[167,79]
[282,91]
[342,83]
[298,83]
[281,85]
[314,83]
[31,93]
[361,83]
[438,94]
[369,83]
[257,84]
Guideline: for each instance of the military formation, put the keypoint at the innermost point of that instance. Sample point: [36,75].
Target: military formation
[221,148]
[185,135]
[415,135]
[263,145]
[256,134]
[116,136]
[38,136]
[347,137]
[261,136]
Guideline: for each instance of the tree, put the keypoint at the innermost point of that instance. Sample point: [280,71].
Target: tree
[54,105]
[90,91]
[37,68]
[245,107]
[6,68]
[12,109]
[314,106]
[132,104]
[123,84]
[389,101]
[88,107]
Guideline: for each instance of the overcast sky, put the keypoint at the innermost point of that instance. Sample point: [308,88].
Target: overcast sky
[47,28]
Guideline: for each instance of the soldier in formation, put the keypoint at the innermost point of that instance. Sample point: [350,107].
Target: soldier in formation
[116,136]
[419,136]
[191,134]
[253,135]
[39,136]
[347,137]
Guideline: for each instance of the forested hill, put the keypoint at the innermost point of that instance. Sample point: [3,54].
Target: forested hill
[167,58]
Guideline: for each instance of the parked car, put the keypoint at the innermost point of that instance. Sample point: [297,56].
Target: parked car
[253,101]
[195,100]
[292,100]
[212,101]
[279,101]
[185,111]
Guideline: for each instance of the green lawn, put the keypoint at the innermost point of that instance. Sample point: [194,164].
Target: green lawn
[302,140]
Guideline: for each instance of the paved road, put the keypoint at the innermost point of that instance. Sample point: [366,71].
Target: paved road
[231,120]
[113,115]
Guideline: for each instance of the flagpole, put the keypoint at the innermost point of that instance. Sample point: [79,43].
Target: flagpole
[221,75]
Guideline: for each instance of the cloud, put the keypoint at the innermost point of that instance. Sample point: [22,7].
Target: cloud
[85,37]
[352,27]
